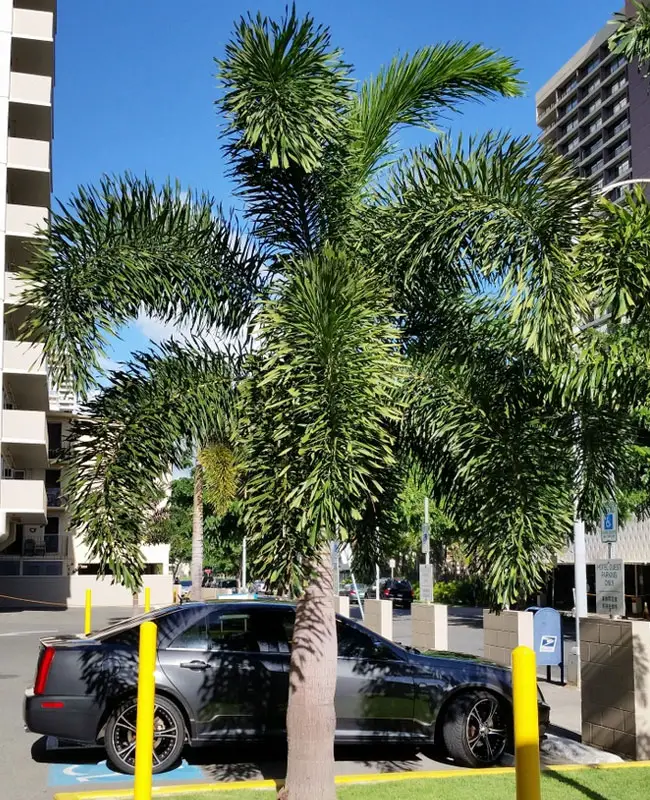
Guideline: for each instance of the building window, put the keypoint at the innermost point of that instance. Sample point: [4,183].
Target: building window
[591,66]
[624,167]
[572,144]
[55,439]
[619,106]
[569,106]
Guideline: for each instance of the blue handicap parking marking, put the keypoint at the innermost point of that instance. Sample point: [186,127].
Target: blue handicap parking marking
[94,774]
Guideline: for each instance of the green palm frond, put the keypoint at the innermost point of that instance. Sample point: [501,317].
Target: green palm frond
[284,88]
[632,35]
[484,432]
[131,434]
[499,214]
[221,476]
[616,254]
[127,247]
[327,373]
[418,89]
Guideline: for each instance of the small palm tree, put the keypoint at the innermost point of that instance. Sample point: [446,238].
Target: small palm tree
[352,267]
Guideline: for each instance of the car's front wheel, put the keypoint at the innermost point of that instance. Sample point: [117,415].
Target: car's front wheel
[476,729]
[168,735]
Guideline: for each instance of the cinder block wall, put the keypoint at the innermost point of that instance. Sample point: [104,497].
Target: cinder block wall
[615,668]
[505,631]
[378,616]
[429,626]
[342,606]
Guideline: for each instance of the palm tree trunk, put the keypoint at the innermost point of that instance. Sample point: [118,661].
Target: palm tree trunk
[311,717]
[197,533]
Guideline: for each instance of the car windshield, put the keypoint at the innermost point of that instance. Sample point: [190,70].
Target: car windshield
[402,585]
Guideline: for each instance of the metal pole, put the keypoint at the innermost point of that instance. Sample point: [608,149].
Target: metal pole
[145,712]
[524,697]
[243,566]
[377,573]
[147,599]
[88,612]
[426,522]
[356,591]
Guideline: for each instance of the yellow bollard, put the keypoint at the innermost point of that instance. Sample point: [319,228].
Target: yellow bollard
[524,695]
[147,599]
[145,712]
[88,613]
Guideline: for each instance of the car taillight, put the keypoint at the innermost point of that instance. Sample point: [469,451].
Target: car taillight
[386,592]
[44,664]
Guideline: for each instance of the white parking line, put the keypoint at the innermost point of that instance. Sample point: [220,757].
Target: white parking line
[25,633]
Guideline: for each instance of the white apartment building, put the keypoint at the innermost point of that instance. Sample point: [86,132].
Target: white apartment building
[40,557]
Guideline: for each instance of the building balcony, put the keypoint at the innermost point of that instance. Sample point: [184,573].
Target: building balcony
[14,289]
[32,89]
[24,500]
[25,374]
[28,154]
[24,221]
[24,438]
[32,24]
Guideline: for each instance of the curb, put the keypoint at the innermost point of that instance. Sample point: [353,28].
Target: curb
[340,780]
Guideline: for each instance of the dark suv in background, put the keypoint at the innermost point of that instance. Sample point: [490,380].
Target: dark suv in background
[398,590]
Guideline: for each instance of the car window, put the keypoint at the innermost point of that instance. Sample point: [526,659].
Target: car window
[193,638]
[355,643]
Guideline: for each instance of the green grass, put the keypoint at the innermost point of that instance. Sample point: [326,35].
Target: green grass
[590,784]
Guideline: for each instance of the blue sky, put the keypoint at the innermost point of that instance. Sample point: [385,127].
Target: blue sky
[135,80]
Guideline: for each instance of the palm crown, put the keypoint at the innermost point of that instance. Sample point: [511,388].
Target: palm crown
[352,281]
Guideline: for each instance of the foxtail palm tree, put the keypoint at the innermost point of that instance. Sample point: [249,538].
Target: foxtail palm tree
[351,265]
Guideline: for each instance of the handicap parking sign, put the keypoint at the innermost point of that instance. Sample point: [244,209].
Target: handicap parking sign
[97,774]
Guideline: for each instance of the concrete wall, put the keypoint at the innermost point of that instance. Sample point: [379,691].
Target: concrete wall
[69,591]
[379,617]
[615,672]
[505,631]
[342,606]
[429,626]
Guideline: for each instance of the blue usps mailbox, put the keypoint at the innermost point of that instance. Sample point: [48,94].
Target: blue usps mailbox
[547,633]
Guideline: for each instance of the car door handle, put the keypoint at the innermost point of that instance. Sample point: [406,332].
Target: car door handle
[199,666]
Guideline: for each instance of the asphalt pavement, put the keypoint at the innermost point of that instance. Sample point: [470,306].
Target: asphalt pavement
[33,768]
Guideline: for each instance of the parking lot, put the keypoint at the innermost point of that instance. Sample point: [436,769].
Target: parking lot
[33,768]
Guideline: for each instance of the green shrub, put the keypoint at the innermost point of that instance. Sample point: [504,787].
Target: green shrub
[457,593]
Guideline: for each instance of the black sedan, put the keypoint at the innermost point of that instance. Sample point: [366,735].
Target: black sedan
[223,675]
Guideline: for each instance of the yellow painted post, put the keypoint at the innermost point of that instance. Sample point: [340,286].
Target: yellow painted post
[147,599]
[88,612]
[524,695]
[145,713]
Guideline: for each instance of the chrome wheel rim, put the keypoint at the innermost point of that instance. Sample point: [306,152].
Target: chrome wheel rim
[486,730]
[165,735]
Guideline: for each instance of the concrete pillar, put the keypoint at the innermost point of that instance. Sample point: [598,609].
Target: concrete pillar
[379,617]
[615,673]
[342,605]
[505,631]
[429,628]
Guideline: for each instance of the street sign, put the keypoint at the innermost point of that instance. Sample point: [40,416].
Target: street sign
[610,587]
[609,525]
[425,537]
[426,583]
[392,563]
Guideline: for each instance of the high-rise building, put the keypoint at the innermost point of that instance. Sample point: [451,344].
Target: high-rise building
[595,111]
[40,557]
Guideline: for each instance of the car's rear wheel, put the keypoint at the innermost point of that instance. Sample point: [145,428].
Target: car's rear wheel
[476,729]
[168,736]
